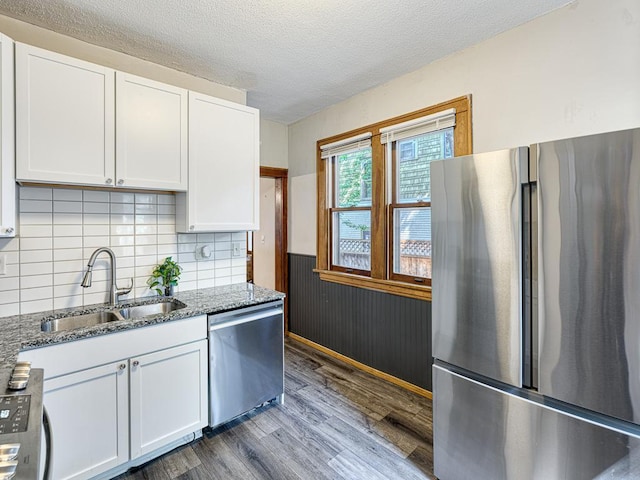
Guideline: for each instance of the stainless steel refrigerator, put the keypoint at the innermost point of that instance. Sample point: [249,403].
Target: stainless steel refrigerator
[536,311]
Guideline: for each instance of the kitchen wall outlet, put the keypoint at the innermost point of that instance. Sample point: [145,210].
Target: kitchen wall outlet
[3,264]
[238,249]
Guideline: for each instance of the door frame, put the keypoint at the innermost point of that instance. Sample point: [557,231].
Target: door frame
[281,176]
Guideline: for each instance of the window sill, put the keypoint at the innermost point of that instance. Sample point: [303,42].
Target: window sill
[419,292]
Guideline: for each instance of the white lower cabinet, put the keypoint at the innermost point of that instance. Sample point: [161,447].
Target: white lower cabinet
[116,398]
[89,415]
[165,389]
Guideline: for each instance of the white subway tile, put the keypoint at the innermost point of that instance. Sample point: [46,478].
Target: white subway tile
[221,246]
[206,265]
[37,243]
[67,230]
[238,261]
[31,294]
[68,277]
[143,271]
[100,274]
[188,276]
[36,281]
[150,229]
[67,194]
[167,239]
[239,278]
[67,242]
[13,270]
[206,283]
[63,254]
[205,237]
[167,230]
[222,272]
[239,270]
[68,266]
[146,209]
[222,237]
[68,302]
[9,296]
[124,274]
[67,207]
[122,219]
[166,209]
[95,297]
[67,218]
[236,236]
[67,290]
[122,197]
[187,248]
[146,198]
[125,262]
[10,309]
[36,306]
[36,206]
[35,193]
[96,207]
[219,282]
[168,249]
[122,229]
[32,218]
[187,238]
[189,266]
[184,286]
[222,263]
[36,256]
[122,240]
[96,242]
[204,275]
[146,239]
[223,254]
[96,219]
[146,219]
[167,220]
[146,250]
[186,257]
[36,231]
[12,257]
[166,199]
[95,230]
[123,251]
[7,283]
[122,208]
[144,260]
[95,196]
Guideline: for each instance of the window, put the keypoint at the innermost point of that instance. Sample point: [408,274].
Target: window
[374,198]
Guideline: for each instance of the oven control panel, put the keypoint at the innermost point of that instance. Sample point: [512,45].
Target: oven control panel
[14,413]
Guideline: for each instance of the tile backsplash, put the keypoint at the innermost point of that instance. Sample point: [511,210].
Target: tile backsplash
[60,228]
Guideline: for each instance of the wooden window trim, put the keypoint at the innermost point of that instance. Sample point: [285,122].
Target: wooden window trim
[380,223]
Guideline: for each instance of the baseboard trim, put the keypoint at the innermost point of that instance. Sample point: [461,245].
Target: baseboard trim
[361,366]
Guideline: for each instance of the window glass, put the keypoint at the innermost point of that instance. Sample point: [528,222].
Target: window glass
[412,241]
[353,179]
[414,156]
[352,239]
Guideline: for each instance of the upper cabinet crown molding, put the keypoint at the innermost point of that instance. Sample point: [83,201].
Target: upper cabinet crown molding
[224,167]
[8,225]
[65,119]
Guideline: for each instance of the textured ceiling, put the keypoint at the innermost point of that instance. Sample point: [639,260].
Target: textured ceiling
[294,57]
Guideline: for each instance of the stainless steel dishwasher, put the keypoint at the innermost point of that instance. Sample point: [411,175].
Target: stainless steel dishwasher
[246,360]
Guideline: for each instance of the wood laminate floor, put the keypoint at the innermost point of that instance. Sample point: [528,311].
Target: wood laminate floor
[337,422]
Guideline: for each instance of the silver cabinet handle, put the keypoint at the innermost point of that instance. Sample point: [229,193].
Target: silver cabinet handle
[121,182]
[136,363]
[108,181]
[122,366]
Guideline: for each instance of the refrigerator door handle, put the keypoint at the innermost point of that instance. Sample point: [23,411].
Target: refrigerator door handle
[529,287]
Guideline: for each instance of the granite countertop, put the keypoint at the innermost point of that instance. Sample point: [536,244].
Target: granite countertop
[23,332]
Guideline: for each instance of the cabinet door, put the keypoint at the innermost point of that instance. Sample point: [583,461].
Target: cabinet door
[151,134]
[224,166]
[7,144]
[64,119]
[89,420]
[168,396]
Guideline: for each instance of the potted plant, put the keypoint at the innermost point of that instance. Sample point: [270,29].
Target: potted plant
[164,277]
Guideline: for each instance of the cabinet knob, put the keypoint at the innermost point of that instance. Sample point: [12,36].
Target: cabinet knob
[108,181]
[122,366]
[8,230]
[192,227]
[121,182]
[136,363]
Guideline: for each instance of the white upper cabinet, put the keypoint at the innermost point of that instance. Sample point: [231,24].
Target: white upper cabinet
[64,119]
[151,134]
[224,167]
[7,144]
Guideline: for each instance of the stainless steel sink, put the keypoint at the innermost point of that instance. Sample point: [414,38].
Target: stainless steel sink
[80,321]
[138,311]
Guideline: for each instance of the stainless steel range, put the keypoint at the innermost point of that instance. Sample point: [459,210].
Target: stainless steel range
[21,424]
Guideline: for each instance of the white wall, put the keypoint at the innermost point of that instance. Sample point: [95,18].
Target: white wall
[264,240]
[572,72]
[40,37]
[274,144]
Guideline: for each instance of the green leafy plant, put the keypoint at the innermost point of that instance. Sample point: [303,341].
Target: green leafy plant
[164,276]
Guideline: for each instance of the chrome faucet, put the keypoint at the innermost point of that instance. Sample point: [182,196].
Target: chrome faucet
[115,291]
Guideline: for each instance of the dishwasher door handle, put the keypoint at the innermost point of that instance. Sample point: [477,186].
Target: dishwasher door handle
[246,318]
